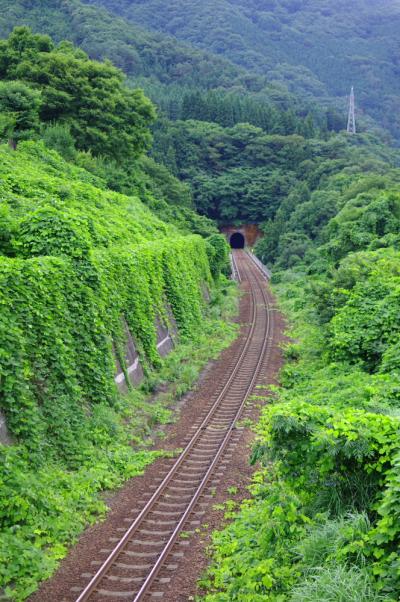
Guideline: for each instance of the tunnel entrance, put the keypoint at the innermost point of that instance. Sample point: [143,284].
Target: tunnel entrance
[237,241]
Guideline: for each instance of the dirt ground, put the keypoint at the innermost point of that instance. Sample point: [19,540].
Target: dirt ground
[125,504]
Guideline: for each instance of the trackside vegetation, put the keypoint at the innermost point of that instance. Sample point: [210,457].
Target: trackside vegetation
[78,263]
[323,519]
[94,242]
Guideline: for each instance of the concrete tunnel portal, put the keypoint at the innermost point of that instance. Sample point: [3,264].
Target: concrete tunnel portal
[241,236]
[237,240]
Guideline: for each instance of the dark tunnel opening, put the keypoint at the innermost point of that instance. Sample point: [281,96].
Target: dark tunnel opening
[237,241]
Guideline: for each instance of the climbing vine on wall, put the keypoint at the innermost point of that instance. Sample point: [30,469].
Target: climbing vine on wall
[70,284]
[79,264]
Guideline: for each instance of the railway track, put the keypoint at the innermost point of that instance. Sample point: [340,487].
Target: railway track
[136,567]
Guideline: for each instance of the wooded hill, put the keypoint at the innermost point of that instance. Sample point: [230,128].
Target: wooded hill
[230,171]
[161,63]
[317,49]
[79,239]
[323,522]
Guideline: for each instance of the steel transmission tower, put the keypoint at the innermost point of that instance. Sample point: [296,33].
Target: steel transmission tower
[351,122]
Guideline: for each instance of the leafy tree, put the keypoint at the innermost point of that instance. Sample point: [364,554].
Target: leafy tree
[104,116]
[19,107]
[7,124]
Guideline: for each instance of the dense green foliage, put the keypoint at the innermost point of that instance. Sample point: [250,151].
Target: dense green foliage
[323,523]
[205,105]
[138,52]
[235,173]
[19,106]
[243,173]
[315,48]
[83,110]
[82,259]
[276,50]
[96,235]
[104,116]
[79,263]
[340,205]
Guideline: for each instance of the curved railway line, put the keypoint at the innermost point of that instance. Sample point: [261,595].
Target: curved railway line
[152,545]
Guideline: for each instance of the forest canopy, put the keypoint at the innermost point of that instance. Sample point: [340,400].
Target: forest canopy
[42,82]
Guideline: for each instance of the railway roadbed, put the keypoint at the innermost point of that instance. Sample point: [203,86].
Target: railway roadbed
[152,544]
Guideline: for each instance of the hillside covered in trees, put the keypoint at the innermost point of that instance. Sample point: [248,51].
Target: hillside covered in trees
[315,49]
[323,521]
[228,170]
[107,205]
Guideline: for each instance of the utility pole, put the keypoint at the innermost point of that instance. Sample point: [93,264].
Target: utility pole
[351,122]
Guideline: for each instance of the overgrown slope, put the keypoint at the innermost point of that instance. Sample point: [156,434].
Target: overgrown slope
[82,269]
[78,265]
[323,522]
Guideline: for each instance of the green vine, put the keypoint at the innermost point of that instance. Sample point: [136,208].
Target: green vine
[78,264]
[70,283]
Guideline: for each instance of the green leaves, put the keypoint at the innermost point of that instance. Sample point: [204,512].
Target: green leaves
[63,84]
[367,325]
[329,444]
[80,264]
[43,510]
[235,173]
[49,231]
[19,106]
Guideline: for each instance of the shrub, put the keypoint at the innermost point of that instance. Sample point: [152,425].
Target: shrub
[59,138]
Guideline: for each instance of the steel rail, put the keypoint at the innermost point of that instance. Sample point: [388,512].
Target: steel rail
[171,542]
[101,573]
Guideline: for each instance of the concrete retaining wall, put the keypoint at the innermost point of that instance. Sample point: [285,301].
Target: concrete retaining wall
[262,267]
[133,367]
[166,335]
[5,438]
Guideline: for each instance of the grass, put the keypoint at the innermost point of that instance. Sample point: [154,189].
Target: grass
[336,584]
